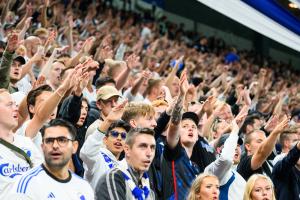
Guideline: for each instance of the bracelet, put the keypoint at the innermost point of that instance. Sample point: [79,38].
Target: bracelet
[101,131]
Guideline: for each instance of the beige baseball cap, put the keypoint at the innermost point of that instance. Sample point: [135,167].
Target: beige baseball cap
[106,92]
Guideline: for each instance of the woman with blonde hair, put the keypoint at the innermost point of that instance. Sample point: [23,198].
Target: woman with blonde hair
[205,186]
[259,187]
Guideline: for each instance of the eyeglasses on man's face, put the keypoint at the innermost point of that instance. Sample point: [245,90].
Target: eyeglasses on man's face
[62,141]
[116,134]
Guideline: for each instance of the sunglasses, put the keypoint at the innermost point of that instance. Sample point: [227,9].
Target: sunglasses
[116,134]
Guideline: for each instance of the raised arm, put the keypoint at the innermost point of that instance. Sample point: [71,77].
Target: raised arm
[25,28]
[26,68]
[132,61]
[7,59]
[138,83]
[44,14]
[266,147]
[173,130]
[223,164]
[48,106]
[172,75]
[5,11]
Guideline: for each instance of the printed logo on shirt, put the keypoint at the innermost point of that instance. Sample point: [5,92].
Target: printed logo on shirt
[27,151]
[8,170]
[82,197]
[51,196]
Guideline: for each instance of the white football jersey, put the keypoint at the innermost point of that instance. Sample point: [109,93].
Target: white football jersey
[13,164]
[93,156]
[40,184]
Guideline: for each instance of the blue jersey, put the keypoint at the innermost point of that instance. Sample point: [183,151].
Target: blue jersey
[178,172]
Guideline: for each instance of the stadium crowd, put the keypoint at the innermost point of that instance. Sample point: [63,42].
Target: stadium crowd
[99,103]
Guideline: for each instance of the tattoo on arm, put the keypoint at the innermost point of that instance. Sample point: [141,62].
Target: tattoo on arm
[176,113]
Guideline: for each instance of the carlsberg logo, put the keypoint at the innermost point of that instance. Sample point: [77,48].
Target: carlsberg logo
[12,170]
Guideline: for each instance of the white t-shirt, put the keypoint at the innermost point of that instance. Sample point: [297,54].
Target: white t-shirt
[93,154]
[92,128]
[127,95]
[24,85]
[91,96]
[39,183]
[13,165]
[37,140]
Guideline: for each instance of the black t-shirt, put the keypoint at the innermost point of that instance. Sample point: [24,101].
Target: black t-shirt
[244,168]
[203,154]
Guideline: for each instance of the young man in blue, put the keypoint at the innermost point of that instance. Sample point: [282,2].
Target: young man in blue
[177,169]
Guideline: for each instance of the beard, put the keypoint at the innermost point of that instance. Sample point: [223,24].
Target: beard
[57,164]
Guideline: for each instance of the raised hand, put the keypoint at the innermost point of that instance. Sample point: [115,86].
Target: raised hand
[146,74]
[117,112]
[39,54]
[82,83]
[271,123]
[73,77]
[51,38]
[59,50]
[12,42]
[183,83]
[240,118]
[90,65]
[86,47]
[209,104]
[39,82]
[71,23]
[27,23]
[105,53]
[279,128]
[29,9]
[106,41]
[246,97]
[132,61]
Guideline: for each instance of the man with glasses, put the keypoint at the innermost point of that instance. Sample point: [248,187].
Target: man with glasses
[53,179]
[99,160]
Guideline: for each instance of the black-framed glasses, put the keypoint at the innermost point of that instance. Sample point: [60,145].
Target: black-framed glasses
[116,134]
[61,141]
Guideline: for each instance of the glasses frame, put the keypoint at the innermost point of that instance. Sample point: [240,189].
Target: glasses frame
[115,134]
[58,140]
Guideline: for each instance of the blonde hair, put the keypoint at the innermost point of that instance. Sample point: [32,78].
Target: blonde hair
[250,185]
[137,109]
[196,186]
[40,31]
[158,103]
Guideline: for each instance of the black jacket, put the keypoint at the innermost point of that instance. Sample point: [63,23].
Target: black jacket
[286,177]
[70,111]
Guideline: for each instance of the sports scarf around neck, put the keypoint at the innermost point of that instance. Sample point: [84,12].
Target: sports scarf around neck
[138,193]
[108,160]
